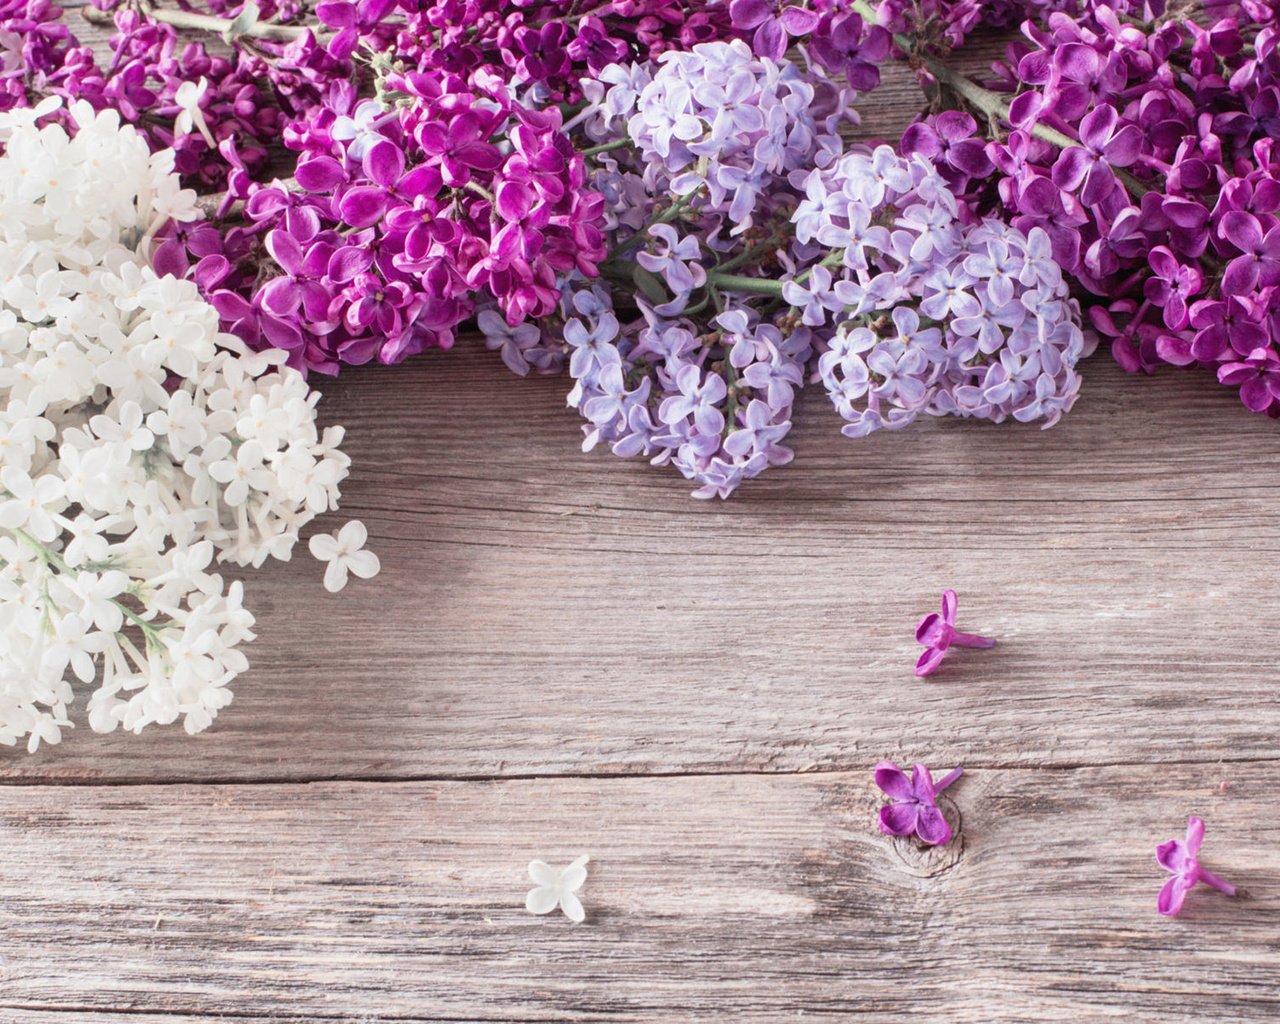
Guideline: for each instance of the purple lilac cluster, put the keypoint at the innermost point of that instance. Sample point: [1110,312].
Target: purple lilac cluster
[930,314]
[761,255]
[543,48]
[1147,152]
[700,187]
[404,218]
[720,121]
[853,38]
[839,39]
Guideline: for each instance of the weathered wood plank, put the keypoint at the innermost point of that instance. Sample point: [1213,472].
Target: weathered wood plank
[760,898]
[543,611]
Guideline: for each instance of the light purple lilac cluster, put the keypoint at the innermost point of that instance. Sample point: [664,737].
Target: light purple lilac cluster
[930,314]
[714,405]
[704,377]
[760,255]
[718,120]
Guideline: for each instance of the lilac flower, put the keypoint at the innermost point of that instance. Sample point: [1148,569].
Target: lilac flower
[514,343]
[1257,376]
[1181,858]
[594,346]
[614,399]
[460,147]
[938,633]
[946,294]
[934,228]
[902,371]
[914,807]
[772,30]
[1259,263]
[949,141]
[696,397]
[1044,205]
[676,260]
[760,433]
[1102,147]
[775,377]
[884,172]
[303,282]
[814,301]
[359,131]
[1172,286]
[1231,326]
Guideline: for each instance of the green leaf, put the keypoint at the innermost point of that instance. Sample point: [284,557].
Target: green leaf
[651,285]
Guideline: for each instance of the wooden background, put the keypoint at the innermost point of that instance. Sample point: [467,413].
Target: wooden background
[565,654]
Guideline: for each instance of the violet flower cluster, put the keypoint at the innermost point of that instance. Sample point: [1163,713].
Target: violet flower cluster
[761,256]
[404,217]
[930,314]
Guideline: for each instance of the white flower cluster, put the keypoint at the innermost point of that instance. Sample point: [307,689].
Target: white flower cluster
[136,444]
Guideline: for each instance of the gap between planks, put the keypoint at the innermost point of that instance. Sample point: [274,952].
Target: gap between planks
[603,776]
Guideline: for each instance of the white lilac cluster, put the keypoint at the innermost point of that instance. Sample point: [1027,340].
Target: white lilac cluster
[721,121]
[930,314]
[137,444]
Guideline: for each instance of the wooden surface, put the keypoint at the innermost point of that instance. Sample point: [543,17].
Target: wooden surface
[565,654]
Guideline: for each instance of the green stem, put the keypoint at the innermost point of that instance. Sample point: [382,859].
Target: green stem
[992,104]
[751,285]
[669,214]
[605,147]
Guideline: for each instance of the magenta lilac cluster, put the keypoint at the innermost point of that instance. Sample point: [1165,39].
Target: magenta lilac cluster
[405,213]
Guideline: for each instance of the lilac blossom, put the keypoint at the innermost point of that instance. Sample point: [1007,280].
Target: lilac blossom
[938,633]
[987,290]
[914,803]
[1181,857]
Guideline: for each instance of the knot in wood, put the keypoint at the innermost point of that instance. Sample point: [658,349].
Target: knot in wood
[930,861]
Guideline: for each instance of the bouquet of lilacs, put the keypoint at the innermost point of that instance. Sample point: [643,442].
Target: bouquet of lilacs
[139,444]
[655,199]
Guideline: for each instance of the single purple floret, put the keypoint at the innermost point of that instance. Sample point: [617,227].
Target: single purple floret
[938,633]
[915,803]
[1180,857]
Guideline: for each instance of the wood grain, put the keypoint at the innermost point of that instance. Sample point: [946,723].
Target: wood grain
[566,654]
[545,612]
[745,898]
